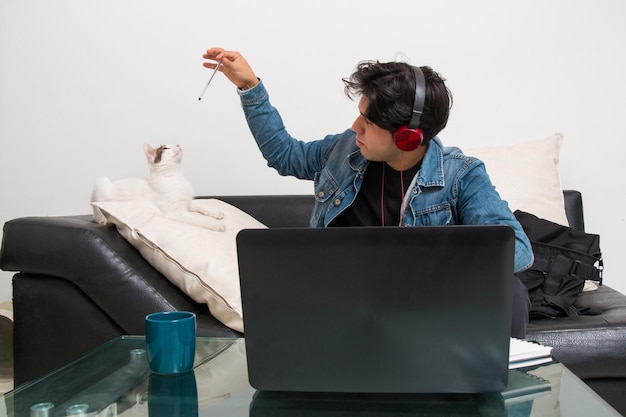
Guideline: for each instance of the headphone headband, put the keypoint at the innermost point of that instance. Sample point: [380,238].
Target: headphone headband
[420,97]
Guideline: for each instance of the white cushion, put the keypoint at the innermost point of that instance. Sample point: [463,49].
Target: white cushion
[526,175]
[201,262]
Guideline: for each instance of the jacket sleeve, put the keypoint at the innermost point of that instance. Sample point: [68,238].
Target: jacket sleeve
[289,156]
[480,203]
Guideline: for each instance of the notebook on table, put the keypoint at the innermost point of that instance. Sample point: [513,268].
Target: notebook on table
[377,310]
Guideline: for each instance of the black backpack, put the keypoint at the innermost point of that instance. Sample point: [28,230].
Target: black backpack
[564,259]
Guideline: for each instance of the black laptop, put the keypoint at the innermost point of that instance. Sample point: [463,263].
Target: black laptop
[377,310]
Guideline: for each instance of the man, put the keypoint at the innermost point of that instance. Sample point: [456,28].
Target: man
[390,168]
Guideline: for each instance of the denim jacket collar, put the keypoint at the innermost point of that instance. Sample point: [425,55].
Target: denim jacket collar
[431,173]
[357,162]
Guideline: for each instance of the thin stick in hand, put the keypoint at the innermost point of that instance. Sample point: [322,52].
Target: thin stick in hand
[217,67]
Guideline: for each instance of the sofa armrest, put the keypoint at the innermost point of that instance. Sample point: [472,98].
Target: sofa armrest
[574,209]
[103,265]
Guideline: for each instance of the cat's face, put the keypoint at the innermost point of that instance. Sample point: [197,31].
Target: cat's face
[164,154]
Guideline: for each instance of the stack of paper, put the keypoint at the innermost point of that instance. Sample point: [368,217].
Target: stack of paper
[524,353]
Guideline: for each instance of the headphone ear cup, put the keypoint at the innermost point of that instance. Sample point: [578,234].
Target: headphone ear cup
[408,140]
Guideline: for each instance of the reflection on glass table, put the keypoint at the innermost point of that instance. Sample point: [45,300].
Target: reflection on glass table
[115,380]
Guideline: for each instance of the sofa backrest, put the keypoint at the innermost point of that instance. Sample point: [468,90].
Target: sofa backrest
[295,210]
[274,210]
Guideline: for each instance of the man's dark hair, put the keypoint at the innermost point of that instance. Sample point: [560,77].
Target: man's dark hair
[390,90]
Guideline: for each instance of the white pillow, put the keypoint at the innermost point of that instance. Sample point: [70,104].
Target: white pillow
[201,262]
[526,175]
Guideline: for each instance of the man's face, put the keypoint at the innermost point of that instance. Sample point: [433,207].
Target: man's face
[375,143]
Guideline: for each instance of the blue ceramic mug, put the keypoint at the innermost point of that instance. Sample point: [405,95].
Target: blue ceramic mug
[171,341]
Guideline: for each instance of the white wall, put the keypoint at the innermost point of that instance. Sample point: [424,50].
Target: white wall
[83,84]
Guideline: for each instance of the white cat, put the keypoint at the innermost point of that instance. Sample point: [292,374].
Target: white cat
[166,187]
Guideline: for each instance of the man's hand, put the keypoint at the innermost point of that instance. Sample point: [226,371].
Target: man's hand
[234,66]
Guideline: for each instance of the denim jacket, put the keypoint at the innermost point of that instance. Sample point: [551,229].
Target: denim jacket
[450,187]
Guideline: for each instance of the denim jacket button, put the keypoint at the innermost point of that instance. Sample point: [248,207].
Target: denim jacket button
[320,194]
[414,191]
[337,202]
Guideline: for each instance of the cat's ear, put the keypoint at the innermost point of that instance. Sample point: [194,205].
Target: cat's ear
[149,151]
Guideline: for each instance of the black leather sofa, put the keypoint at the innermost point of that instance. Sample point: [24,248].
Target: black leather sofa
[79,284]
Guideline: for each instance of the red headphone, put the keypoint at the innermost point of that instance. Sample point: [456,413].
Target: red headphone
[408,137]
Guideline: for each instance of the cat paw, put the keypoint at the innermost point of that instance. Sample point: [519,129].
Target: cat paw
[220,227]
[217,215]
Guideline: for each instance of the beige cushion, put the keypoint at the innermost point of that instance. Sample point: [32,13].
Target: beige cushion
[526,175]
[201,262]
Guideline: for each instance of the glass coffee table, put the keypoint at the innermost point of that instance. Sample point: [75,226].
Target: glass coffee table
[114,380]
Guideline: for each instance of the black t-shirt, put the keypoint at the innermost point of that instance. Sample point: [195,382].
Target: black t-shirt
[370,205]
